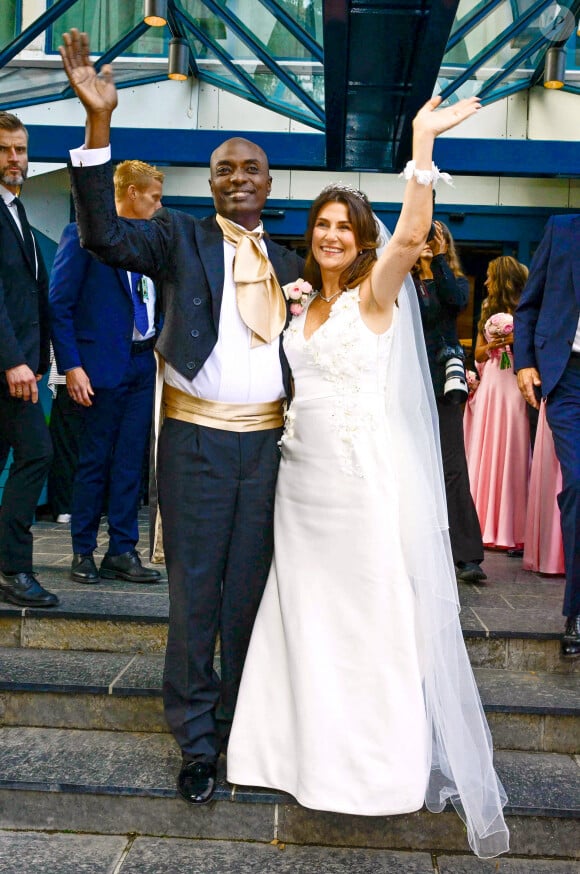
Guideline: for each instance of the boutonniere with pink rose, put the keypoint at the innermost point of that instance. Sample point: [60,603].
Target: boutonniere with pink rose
[297,293]
[498,326]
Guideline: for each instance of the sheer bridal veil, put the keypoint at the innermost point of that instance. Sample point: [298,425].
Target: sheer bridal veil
[462,768]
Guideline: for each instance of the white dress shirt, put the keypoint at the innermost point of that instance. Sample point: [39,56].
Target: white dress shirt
[8,199]
[576,341]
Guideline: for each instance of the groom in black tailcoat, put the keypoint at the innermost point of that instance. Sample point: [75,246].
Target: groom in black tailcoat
[225,378]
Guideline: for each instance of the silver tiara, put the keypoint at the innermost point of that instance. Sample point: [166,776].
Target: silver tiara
[342,186]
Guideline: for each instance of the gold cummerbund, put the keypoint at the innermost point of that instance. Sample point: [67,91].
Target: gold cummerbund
[225,417]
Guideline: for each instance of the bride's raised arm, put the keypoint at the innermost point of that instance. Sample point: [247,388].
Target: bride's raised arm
[416,213]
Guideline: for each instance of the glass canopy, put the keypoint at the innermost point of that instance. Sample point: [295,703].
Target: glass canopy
[271,51]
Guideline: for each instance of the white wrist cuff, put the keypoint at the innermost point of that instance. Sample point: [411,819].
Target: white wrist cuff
[425,177]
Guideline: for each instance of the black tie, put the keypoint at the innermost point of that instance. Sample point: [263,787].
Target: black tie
[26,232]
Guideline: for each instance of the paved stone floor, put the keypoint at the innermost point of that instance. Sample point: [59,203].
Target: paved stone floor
[512,599]
[90,854]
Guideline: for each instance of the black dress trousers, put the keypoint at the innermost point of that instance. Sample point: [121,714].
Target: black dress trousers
[464,527]
[22,426]
[216,497]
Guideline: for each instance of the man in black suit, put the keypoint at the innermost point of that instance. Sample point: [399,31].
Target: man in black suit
[24,357]
[225,379]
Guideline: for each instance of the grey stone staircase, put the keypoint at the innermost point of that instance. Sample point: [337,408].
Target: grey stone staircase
[87,768]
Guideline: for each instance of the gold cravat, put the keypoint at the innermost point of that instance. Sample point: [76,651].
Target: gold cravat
[261,302]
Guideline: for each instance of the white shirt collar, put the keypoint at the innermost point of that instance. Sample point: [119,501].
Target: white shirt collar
[6,195]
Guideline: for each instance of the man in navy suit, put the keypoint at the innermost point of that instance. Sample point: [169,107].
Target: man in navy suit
[24,356]
[225,379]
[547,359]
[103,333]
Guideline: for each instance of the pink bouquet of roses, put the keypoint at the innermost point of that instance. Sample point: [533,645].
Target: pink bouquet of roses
[498,326]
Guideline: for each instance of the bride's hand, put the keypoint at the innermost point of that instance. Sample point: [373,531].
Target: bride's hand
[433,121]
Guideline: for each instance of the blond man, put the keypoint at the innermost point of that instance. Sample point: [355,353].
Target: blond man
[104,326]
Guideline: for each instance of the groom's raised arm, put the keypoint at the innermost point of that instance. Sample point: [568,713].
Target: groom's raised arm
[139,246]
[96,91]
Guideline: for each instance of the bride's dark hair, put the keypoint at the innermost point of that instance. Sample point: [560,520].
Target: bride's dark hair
[364,228]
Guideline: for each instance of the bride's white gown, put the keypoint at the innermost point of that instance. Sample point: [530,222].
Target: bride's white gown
[331,706]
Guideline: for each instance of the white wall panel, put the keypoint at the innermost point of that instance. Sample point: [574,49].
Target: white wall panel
[186,181]
[166,104]
[238,114]
[307,184]
[208,107]
[554,115]
[483,190]
[489,123]
[517,116]
[382,187]
[47,199]
[281,184]
[533,192]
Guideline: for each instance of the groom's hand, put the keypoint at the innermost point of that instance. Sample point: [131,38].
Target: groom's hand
[96,91]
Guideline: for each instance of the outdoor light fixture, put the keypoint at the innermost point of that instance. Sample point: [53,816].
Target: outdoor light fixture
[178,67]
[155,13]
[555,67]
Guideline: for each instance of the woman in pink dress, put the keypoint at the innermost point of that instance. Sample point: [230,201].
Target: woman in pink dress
[498,439]
[543,550]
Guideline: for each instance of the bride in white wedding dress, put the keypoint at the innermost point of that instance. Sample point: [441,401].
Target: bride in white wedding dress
[357,695]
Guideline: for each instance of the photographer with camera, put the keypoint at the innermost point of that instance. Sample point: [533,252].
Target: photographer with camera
[443,291]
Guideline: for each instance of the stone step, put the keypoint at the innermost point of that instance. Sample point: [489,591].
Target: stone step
[122,692]
[508,625]
[112,783]
[68,854]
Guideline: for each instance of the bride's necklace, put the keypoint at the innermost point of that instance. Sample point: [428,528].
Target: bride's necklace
[332,296]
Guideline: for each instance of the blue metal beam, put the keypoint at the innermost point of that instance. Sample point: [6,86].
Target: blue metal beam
[546,158]
[242,32]
[295,29]
[522,55]
[478,14]
[248,90]
[225,58]
[491,48]
[192,148]
[187,148]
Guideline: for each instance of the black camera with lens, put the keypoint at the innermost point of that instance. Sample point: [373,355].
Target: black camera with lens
[455,389]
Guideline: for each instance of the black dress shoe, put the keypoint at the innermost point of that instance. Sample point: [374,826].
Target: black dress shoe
[25,590]
[196,782]
[516,552]
[127,567]
[84,569]
[571,637]
[470,572]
